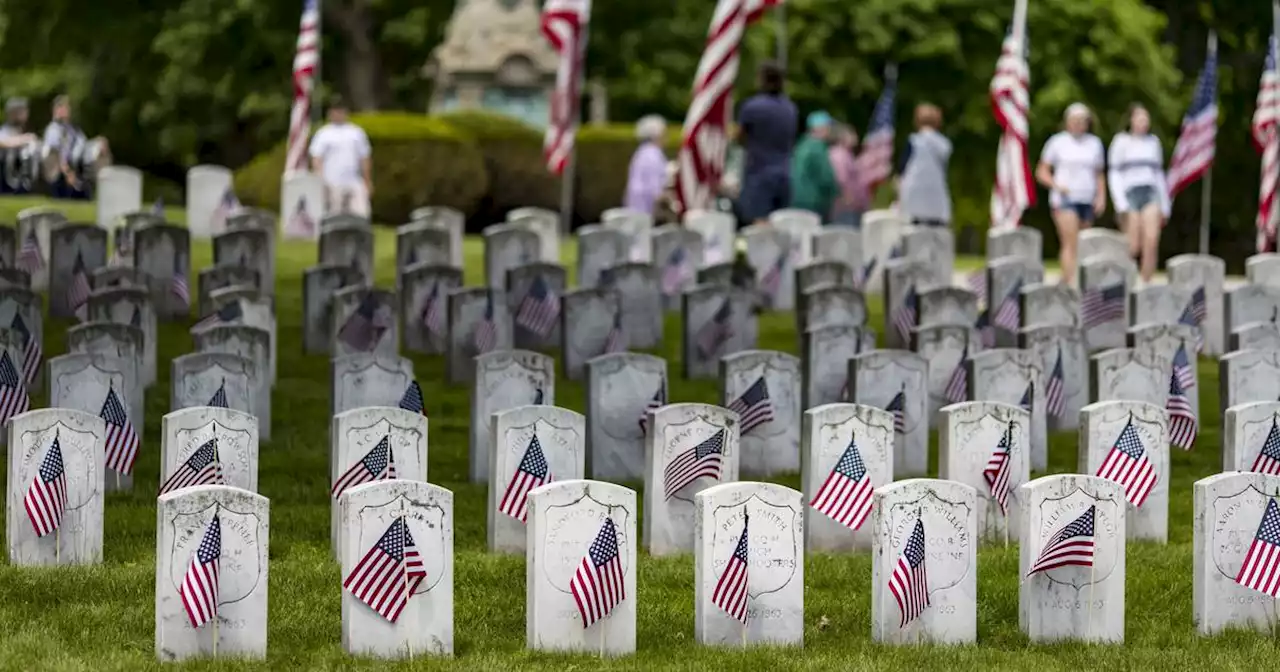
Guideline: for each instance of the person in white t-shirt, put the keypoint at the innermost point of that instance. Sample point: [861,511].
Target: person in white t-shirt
[1072,169]
[340,154]
[1135,174]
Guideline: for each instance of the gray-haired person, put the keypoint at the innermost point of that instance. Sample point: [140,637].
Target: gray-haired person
[14,131]
[647,175]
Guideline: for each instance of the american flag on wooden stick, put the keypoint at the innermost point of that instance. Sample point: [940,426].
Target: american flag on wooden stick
[1100,306]
[485,337]
[702,460]
[658,400]
[13,392]
[1182,368]
[754,407]
[898,407]
[78,290]
[46,498]
[909,582]
[998,470]
[958,385]
[598,586]
[122,440]
[32,352]
[1073,545]
[716,332]
[1055,391]
[1266,136]
[1194,315]
[389,572]
[433,311]
[1015,188]
[201,582]
[1128,465]
[730,593]
[178,286]
[1194,152]
[1008,314]
[1261,568]
[677,270]
[412,399]
[379,464]
[30,259]
[366,325]
[904,315]
[564,24]
[1183,425]
[202,468]
[229,313]
[532,472]
[306,60]
[845,496]
[1268,459]
[540,308]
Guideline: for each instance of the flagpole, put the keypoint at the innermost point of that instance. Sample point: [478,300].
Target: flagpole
[408,595]
[315,80]
[1206,185]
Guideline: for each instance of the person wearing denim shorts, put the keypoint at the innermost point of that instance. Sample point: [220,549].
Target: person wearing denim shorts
[1072,168]
[1135,174]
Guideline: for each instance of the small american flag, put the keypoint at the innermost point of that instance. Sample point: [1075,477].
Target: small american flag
[716,332]
[389,572]
[658,400]
[957,387]
[1268,459]
[227,206]
[754,408]
[898,407]
[539,309]
[1182,369]
[379,464]
[485,337]
[598,585]
[875,161]
[909,582]
[730,593]
[199,589]
[412,399]
[986,330]
[228,314]
[1127,464]
[1182,417]
[202,468]
[78,291]
[1028,397]
[219,398]
[845,496]
[46,499]
[13,393]
[676,272]
[864,274]
[32,352]
[977,282]
[1055,390]
[178,284]
[366,325]
[1099,306]
[1193,316]
[1194,152]
[904,315]
[1008,315]
[122,440]
[30,259]
[616,340]
[771,281]
[433,311]
[1073,545]
[697,462]
[532,472]
[996,474]
[306,61]
[301,222]
[1261,571]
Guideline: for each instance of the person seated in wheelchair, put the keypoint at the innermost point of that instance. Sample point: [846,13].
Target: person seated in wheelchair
[71,159]
[19,149]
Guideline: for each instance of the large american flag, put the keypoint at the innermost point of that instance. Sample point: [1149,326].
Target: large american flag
[898,407]
[412,399]
[540,308]
[1099,306]
[1268,459]
[78,290]
[46,498]
[202,468]
[1055,398]
[1008,314]
[305,62]
[1266,135]
[178,284]
[845,496]
[1193,155]
[730,593]
[1073,545]
[379,464]
[754,407]
[199,589]
[676,271]
[598,585]
[1128,465]
[1015,188]
[658,400]
[716,332]
[32,352]
[485,337]
[909,582]
[700,163]
[904,315]
[998,470]
[389,572]
[13,392]
[564,24]
[433,311]
[875,161]
[219,398]
[30,259]
[1194,315]
[1182,368]
[958,385]
[697,462]
[366,324]
[122,440]
[1261,568]
[1182,417]
[532,472]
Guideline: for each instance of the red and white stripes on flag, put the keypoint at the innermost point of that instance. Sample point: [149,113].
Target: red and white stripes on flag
[1193,155]
[599,585]
[532,472]
[1266,135]
[909,582]
[730,593]
[1261,568]
[1014,189]
[122,440]
[389,572]
[1129,465]
[305,62]
[700,163]
[13,392]
[998,470]
[199,589]
[564,24]
[46,498]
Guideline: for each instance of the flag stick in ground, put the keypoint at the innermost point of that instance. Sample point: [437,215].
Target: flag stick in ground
[1206,184]
[1088,626]
[408,593]
[217,508]
[57,545]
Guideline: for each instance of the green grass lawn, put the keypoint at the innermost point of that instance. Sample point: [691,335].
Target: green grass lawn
[103,617]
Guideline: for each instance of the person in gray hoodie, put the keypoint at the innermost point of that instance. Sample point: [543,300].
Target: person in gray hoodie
[923,196]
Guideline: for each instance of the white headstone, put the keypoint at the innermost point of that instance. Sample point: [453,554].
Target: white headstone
[1247,429]
[691,448]
[234,433]
[1230,510]
[301,205]
[505,379]
[1108,433]
[206,186]
[529,446]
[356,441]
[986,445]
[842,444]
[119,192]
[369,380]
[621,387]
[771,442]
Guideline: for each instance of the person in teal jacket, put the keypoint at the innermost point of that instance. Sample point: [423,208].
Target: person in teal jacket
[813,182]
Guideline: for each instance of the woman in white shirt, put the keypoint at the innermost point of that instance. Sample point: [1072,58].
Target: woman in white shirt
[1138,190]
[1071,168]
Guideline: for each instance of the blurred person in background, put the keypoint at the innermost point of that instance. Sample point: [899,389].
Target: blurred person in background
[341,155]
[647,176]
[923,195]
[1135,175]
[813,183]
[767,131]
[14,132]
[1072,167]
[853,199]
[66,145]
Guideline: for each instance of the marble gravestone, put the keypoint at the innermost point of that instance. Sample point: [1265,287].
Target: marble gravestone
[250,248]
[507,246]
[545,223]
[503,380]
[367,512]
[1060,347]
[474,311]
[120,276]
[1246,428]
[835,435]
[302,205]
[769,433]
[1263,269]
[1103,243]
[621,389]
[599,250]
[1014,376]
[637,226]
[935,245]
[890,379]
[829,304]
[1192,272]
[1072,602]
[1023,242]
[971,436]
[349,245]
[318,286]
[1049,304]
[118,191]
[947,514]
[1254,336]
[681,434]
[424,306]
[163,251]
[565,519]
[115,340]
[72,247]
[591,324]
[1229,512]
[640,295]
[22,310]
[718,274]
[1130,374]
[199,376]
[678,252]
[1105,424]
[1157,304]
[446,218]
[127,305]
[80,442]
[904,279]
[718,231]
[368,380]
[528,435]
[235,436]
[535,289]
[769,253]
[843,244]
[253,344]
[15,277]
[350,307]
[421,244]
[769,519]
[1248,375]
[1101,276]
[35,225]
[1168,339]
[799,225]
[825,272]
[81,382]
[717,321]
[206,186]
[1005,279]
[217,277]
[1247,304]
[946,305]
[882,232]
[357,434]
[826,355]
[945,347]
[183,519]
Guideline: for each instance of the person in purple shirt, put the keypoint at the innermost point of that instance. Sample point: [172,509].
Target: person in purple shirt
[767,125]
[648,174]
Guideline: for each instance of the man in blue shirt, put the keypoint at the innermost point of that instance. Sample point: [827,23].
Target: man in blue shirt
[767,131]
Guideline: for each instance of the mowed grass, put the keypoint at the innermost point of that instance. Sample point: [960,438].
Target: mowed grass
[103,617]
